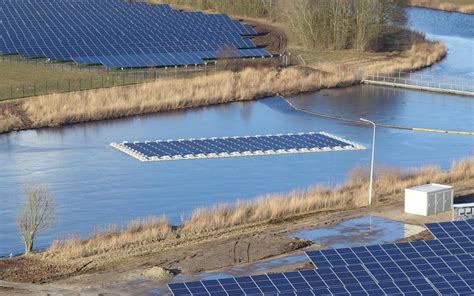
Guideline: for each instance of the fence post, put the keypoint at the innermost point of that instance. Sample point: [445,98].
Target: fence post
[91,82]
[23,87]
[46,87]
[34,89]
[80,84]
[11,92]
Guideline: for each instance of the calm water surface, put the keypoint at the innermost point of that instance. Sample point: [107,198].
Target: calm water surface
[96,185]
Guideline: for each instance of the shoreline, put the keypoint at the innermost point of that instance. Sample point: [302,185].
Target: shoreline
[129,273]
[256,226]
[176,94]
[443,6]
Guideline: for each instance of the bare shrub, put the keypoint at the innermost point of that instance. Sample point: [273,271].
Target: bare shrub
[36,215]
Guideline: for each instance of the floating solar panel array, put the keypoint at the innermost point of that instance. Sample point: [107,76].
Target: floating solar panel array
[235,146]
[443,266]
[120,34]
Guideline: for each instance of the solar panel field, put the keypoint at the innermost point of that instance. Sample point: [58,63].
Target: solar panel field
[118,34]
[443,266]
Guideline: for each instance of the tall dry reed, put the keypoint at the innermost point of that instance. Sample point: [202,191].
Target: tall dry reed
[171,94]
[388,187]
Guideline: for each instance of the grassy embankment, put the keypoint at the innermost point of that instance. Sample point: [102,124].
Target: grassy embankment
[228,86]
[14,74]
[18,79]
[464,6]
[319,69]
[107,248]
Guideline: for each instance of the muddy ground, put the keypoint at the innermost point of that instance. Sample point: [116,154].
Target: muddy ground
[135,276]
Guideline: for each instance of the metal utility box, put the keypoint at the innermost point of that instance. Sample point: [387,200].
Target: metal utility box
[428,199]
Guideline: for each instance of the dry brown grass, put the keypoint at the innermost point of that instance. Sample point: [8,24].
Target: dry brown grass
[228,86]
[464,6]
[418,56]
[388,187]
[9,120]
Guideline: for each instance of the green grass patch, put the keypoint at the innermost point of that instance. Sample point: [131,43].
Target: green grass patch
[19,80]
[16,74]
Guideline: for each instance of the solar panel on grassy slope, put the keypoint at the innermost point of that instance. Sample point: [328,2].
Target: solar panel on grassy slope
[65,30]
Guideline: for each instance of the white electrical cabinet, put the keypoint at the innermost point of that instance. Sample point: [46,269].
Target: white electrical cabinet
[428,199]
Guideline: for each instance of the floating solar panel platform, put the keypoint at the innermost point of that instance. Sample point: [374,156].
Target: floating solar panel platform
[121,34]
[444,266]
[235,146]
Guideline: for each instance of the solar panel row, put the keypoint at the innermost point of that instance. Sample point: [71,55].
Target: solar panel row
[435,267]
[392,253]
[308,282]
[458,229]
[235,146]
[120,34]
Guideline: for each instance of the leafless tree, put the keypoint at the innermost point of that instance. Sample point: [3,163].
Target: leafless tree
[36,215]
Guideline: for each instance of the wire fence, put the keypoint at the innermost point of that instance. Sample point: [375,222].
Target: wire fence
[433,82]
[101,77]
[95,81]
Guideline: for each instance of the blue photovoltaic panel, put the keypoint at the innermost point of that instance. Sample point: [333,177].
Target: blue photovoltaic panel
[453,229]
[235,146]
[354,281]
[392,253]
[435,267]
[119,34]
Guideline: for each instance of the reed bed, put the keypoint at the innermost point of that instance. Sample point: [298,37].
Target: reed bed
[388,187]
[464,6]
[171,94]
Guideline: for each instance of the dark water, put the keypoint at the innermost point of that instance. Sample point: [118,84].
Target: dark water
[456,31]
[96,185]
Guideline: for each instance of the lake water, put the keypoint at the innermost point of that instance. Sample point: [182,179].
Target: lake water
[96,185]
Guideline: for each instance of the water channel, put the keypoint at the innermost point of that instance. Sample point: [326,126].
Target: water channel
[96,185]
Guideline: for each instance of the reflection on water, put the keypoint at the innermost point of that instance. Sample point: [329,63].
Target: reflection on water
[360,231]
[393,106]
[96,185]
[456,31]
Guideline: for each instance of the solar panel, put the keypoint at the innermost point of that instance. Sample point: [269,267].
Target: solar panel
[309,282]
[391,253]
[453,229]
[235,146]
[434,267]
[120,34]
